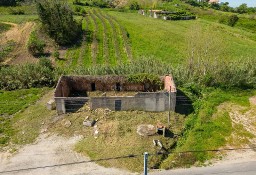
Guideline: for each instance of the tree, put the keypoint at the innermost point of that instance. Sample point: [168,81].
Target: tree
[7,2]
[57,19]
[242,8]
[225,7]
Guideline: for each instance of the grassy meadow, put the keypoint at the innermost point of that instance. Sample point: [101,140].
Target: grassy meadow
[13,104]
[113,37]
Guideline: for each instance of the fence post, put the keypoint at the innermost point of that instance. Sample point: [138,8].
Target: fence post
[145,163]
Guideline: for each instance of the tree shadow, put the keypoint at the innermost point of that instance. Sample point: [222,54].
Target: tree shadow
[184,105]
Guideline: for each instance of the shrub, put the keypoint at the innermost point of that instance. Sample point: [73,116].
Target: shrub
[27,76]
[35,45]
[56,54]
[77,9]
[134,6]
[232,20]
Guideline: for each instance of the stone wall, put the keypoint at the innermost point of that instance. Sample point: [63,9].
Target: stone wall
[69,104]
[146,101]
[66,101]
[69,84]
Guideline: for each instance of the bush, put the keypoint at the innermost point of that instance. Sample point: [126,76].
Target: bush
[78,9]
[134,6]
[35,45]
[27,76]
[56,54]
[232,20]
[57,19]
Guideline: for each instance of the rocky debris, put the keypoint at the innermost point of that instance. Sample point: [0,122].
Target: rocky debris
[252,100]
[66,123]
[88,122]
[158,143]
[146,130]
[51,105]
[95,132]
[104,111]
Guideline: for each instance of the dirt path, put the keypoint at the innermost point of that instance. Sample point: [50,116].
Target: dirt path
[19,34]
[47,153]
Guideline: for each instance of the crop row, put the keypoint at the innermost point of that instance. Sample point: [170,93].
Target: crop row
[125,38]
[113,33]
[104,41]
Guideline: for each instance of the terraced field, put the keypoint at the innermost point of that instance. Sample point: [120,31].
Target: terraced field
[105,41]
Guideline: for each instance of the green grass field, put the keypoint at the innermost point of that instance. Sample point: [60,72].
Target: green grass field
[113,37]
[11,103]
[166,40]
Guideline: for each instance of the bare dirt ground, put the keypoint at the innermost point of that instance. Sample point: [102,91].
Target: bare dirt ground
[52,155]
[20,35]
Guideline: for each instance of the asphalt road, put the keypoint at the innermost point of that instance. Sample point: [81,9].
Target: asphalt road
[245,168]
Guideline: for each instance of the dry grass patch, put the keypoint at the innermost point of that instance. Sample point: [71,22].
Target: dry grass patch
[117,135]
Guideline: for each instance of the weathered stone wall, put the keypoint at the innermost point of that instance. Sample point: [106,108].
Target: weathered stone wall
[69,104]
[68,84]
[148,101]
[63,88]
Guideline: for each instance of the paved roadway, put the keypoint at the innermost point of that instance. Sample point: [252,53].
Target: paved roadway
[244,168]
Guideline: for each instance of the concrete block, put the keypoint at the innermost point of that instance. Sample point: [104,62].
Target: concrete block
[51,105]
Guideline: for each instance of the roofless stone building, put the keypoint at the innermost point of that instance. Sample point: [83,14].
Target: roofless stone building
[72,92]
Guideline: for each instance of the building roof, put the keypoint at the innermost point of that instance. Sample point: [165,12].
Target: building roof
[214,1]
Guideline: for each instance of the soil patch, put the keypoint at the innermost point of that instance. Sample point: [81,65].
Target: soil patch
[52,155]
[20,35]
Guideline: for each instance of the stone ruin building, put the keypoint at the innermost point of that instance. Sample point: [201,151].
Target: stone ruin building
[72,92]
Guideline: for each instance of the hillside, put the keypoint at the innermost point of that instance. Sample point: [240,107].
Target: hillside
[113,37]
[213,65]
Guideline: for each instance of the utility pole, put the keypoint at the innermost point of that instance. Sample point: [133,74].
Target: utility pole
[169,113]
[145,163]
